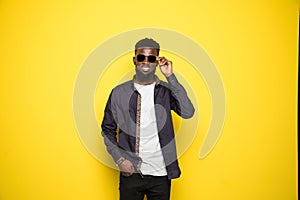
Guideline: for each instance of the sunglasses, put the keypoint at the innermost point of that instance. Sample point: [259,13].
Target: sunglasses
[141,58]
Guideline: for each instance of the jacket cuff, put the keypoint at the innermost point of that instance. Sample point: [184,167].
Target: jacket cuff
[116,154]
[172,79]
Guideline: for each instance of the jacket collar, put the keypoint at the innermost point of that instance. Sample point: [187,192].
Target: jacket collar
[157,81]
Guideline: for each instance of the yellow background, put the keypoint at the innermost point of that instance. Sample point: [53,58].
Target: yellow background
[254,45]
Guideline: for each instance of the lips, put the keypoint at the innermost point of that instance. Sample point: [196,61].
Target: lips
[145,68]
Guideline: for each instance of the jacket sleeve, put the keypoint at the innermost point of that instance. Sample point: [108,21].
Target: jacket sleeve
[180,102]
[109,130]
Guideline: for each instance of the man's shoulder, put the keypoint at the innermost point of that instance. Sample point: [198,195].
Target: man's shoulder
[122,91]
[123,86]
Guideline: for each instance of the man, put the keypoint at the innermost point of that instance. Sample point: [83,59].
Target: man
[137,126]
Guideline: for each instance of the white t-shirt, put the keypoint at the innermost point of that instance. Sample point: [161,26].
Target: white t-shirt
[149,149]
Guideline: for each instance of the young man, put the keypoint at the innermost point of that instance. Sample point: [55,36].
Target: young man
[137,126]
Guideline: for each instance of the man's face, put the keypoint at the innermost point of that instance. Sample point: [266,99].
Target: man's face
[145,66]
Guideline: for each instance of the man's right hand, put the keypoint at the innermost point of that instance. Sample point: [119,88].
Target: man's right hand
[126,168]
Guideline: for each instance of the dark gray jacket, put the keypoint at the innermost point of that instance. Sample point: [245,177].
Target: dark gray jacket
[121,121]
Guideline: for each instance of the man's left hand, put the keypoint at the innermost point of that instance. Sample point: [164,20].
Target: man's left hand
[165,66]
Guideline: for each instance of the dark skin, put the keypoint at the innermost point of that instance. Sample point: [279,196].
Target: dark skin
[146,69]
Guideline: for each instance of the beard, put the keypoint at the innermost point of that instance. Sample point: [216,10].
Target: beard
[145,78]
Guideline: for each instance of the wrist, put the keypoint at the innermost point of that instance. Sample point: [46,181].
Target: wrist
[170,77]
[169,74]
[120,161]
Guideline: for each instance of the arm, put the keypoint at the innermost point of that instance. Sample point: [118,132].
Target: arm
[180,102]
[109,132]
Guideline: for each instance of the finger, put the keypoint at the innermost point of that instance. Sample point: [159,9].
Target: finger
[160,59]
[166,61]
[169,63]
[163,62]
[126,173]
[131,169]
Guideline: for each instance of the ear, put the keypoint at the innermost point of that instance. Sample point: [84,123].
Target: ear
[134,61]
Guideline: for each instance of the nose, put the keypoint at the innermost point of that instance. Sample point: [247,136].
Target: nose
[146,60]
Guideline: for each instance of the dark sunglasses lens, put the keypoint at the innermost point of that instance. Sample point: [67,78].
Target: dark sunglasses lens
[152,59]
[140,58]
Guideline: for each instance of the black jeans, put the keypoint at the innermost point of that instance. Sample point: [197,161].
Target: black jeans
[134,187]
